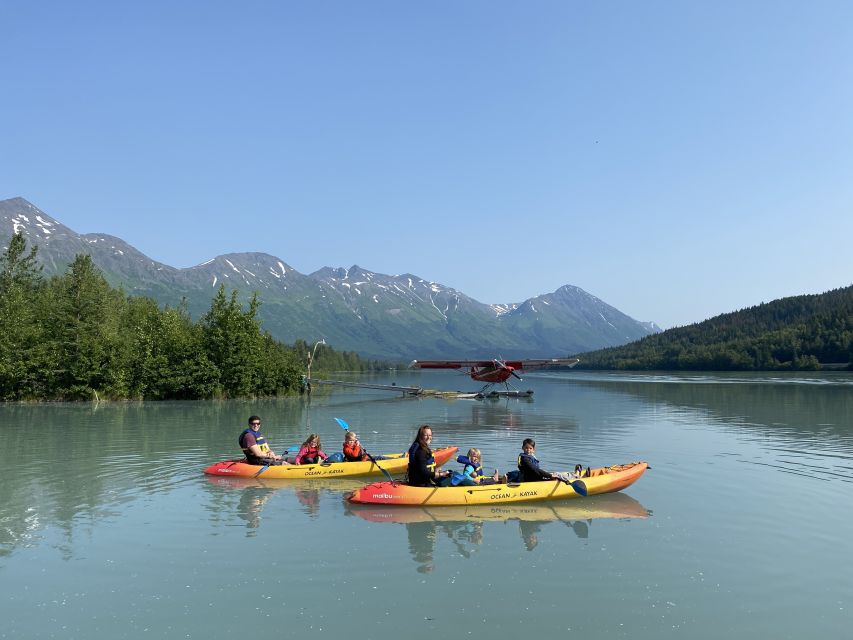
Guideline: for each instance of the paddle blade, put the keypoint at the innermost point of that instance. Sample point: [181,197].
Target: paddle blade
[343,423]
[579,487]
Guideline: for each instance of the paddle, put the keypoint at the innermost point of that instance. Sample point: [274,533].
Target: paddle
[577,485]
[343,424]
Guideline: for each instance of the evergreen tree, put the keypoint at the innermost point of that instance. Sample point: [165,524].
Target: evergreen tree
[233,342]
[21,329]
[83,321]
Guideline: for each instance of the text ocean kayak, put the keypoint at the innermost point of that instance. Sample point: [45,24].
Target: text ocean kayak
[393,463]
[601,480]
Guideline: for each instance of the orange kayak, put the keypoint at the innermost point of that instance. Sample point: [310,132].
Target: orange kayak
[600,480]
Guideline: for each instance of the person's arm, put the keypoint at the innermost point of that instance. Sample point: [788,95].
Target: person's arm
[528,469]
[469,473]
[302,451]
[322,455]
[423,471]
[271,454]
[255,449]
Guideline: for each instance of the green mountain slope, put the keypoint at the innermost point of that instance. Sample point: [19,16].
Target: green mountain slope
[800,332]
[388,317]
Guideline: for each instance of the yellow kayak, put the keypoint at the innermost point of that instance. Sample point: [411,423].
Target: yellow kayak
[393,463]
[600,480]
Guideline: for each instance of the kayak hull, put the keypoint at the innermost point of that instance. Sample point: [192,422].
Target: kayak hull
[619,506]
[601,480]
[395,463]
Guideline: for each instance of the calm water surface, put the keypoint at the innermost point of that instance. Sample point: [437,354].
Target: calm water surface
[744,525]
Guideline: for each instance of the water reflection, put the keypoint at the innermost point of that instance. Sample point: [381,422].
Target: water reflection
[253,494]
[464,526]
[802,423]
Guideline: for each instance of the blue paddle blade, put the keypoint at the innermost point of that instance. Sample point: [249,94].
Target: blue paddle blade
[343,423]
[579,487]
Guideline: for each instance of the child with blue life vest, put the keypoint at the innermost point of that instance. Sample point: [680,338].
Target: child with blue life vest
[472,471]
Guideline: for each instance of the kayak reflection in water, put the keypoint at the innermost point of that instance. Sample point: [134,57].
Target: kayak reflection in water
[424,535]
[252,501]
[309,499]
[529,533]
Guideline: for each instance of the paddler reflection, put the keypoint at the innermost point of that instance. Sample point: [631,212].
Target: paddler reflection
[423,536]
[465,526]
[252,501]
[255,493]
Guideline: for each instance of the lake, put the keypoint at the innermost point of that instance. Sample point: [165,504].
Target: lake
[742,527]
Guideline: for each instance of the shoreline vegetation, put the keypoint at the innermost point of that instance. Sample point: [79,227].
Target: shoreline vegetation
[74,337]
[799,333]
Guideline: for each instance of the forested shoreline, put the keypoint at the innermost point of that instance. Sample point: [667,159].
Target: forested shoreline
[800,333]
[74,337]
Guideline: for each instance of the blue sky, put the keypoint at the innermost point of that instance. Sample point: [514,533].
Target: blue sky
[676,159]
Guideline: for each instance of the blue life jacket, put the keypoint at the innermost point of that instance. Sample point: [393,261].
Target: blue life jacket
[465,461]
[259,440]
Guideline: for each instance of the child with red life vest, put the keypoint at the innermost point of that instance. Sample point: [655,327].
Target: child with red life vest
[353,451]
[310,451]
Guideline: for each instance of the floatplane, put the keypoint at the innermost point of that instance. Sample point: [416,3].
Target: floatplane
[492,372]
[496,371]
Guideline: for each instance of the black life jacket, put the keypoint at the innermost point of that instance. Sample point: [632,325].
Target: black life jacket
[430,464]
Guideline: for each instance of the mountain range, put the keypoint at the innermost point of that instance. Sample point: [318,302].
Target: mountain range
[398,317]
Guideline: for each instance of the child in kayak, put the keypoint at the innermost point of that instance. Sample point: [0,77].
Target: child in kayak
[528,464]
[472,473]
[353,451]
[310,451]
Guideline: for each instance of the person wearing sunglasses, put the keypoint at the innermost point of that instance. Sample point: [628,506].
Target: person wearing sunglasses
[255,446]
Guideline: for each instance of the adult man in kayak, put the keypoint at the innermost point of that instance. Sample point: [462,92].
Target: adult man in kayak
[422,469]
[255,446]
[528,465]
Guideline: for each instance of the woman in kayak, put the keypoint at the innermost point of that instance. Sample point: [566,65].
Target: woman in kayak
[255,446]
[353,452]
[528,465]
[422,470]
[310,451]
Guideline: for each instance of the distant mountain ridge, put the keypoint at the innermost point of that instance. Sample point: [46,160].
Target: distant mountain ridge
[397,317]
